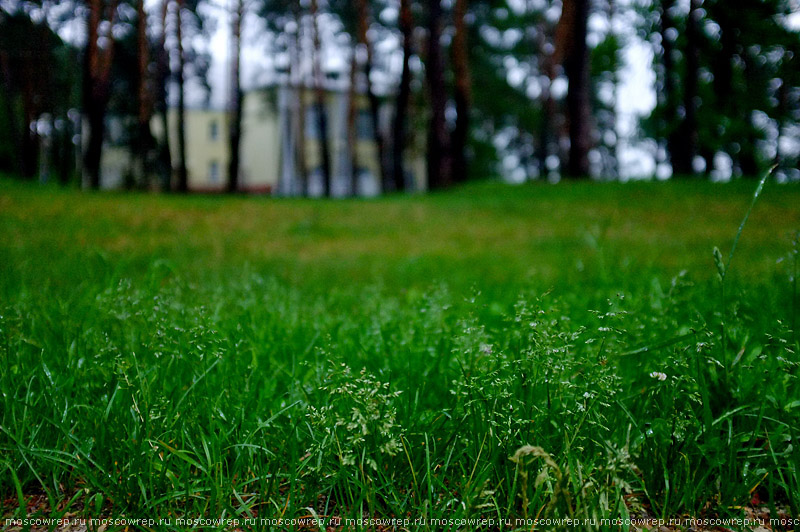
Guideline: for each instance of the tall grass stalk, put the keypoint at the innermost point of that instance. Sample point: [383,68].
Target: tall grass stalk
[724,267]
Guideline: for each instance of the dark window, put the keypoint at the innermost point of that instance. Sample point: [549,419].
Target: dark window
[364,130]
[312,123]
[213,171]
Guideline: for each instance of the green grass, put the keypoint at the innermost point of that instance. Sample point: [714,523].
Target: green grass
[169,357]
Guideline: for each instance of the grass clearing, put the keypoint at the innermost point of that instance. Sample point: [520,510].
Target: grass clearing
[492,352]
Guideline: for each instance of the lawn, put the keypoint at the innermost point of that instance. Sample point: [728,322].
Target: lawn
[490,353]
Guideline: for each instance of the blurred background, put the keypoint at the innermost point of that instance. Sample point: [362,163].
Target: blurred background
[166,355]
[360,97]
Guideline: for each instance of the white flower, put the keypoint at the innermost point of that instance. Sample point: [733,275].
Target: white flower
[658,375]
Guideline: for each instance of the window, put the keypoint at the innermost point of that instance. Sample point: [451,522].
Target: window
[213,171]
[312,122]
[364,129]
[213,130]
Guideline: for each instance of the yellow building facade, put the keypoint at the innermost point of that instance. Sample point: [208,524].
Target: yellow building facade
[273,138]
[268,147]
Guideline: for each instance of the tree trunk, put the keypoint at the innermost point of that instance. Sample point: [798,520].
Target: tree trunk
[689,135]
[321,111]
[611,157]
[463,92]
[97,68]
[352,134]
[439,162]
[236,98]
[302,147]
[144,137]
[92,145]
[299,110]
[548,103]
[30,138]
[708,155]
[15,130]
[66,162]
[669,97]
[183,174]
[576,67]
[162,105]
[748,161]
[781,114]
[677,145]
[748,154]
[374,103]
[723,83]
[406,22]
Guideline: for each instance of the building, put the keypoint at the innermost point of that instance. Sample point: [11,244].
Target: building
[270,146]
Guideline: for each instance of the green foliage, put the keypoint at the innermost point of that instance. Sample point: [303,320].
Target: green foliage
[747,81]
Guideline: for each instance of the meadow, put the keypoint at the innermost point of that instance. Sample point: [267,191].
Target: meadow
[492,352]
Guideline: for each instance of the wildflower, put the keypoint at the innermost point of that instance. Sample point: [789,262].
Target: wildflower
[658,375]
[360,418]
